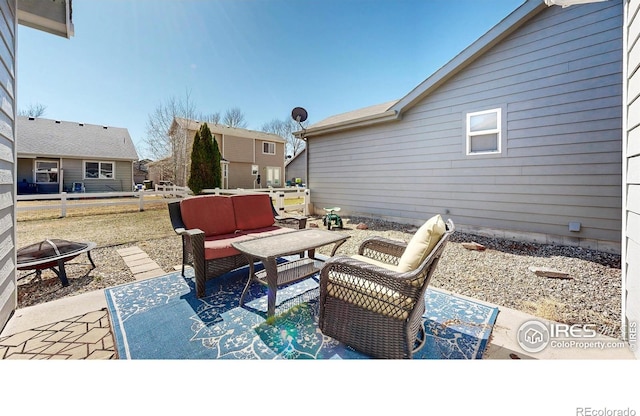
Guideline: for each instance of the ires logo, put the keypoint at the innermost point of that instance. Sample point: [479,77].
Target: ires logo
[534,336]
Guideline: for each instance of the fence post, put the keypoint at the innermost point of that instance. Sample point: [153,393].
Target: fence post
[141,202]
[307,201]
[63,204]
[280,203]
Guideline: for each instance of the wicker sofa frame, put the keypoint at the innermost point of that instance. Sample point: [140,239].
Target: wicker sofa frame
[193,248]
[375,310]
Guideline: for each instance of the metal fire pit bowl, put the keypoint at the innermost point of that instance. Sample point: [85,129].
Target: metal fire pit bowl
[52,254]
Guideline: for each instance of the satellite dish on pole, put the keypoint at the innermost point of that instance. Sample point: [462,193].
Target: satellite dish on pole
[299,114]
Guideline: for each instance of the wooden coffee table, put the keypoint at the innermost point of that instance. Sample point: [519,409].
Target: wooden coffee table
[269,249]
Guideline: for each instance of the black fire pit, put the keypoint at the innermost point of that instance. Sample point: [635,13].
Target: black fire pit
[52,254]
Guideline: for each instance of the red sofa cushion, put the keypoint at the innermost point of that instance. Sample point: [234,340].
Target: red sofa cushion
[253,211]
[219,246]
[212,214]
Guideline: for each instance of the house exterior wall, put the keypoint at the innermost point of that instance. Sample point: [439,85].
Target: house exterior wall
[236,149]
[631,264]
[297,168]
[73,171]
[160,171]
[25,170]
[8,288]
[557,81]
[240,176]
[242,153]
[122,182]
[270,161]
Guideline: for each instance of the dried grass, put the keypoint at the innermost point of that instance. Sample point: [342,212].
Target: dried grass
[107,226]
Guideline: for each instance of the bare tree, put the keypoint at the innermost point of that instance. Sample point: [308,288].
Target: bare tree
[164,143]
[33,110]
[213,118]
[285,129]
[234,117]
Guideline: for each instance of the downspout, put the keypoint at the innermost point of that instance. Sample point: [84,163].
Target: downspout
[306,160]
[625,138]
[184,157]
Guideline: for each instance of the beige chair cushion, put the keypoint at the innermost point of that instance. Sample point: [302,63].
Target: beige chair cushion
[373,262]
[421,244]
[370,295]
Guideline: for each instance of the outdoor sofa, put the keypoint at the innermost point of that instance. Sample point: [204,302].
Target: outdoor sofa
[209,224]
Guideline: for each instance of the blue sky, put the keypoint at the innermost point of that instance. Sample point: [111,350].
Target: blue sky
[265,57]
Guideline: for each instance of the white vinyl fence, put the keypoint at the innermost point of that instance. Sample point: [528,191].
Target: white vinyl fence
[169,193]
[96,199]
[301,196]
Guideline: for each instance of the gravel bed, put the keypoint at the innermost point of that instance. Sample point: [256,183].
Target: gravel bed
[499,275]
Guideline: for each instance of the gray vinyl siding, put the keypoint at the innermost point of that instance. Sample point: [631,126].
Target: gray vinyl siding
[73,171]
[297,168]
[632,209]
[123,181]
[8,288]
[24,170]
[557,81]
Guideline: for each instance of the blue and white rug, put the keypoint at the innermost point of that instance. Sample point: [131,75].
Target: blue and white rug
[161,318]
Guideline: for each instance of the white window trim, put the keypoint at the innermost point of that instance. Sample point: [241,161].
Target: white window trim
[35,169]
[99,162]
[498,131]
[271,145]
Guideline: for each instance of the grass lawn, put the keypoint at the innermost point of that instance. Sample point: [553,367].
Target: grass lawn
[106,228]
[105,225]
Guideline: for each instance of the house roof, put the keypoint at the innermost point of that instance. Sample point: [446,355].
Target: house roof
[40,137]
[226,130]
[294,157]
[361,115]
[54,17]
[394,110]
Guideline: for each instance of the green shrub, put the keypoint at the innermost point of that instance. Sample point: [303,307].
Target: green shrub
[205,162]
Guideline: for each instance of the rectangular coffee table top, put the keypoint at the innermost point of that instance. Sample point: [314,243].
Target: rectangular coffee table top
[288,243]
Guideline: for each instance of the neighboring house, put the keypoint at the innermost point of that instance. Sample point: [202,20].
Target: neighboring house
[160,171]
[631,189]
[247,155]
[141,171]
[519,136]
[53,154]
[296,168]
[49,16]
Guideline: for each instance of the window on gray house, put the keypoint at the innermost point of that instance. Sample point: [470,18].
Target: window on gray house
[484,132]
[46,171]
[99,170]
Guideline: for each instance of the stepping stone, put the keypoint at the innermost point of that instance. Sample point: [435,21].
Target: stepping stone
[140,264]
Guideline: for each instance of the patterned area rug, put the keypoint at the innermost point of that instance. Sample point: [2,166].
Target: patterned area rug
[161,318]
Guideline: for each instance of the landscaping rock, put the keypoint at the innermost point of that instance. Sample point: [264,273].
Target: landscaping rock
[362,226]
[546,272]
[474,246]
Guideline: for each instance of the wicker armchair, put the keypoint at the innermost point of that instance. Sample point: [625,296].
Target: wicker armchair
[367,305]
